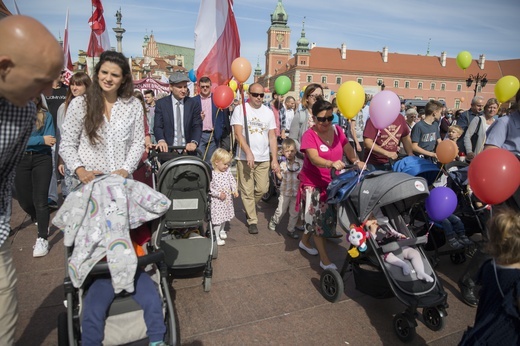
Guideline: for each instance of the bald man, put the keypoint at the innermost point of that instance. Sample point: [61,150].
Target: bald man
[30,60]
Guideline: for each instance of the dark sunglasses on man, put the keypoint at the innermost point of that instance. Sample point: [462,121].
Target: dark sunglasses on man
[257,94]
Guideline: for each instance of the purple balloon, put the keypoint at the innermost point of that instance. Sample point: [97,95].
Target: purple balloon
[384,109]
[441,203]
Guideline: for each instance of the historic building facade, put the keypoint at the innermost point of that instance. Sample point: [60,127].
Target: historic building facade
[409,76]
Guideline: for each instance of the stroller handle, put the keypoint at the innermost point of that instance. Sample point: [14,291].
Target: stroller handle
[174,151]
[334,172]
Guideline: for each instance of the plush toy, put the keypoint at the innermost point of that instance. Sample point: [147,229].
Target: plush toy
[357,237]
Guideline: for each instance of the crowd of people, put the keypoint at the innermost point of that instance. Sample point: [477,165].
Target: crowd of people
[100,126]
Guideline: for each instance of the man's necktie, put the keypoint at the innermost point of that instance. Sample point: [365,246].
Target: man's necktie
[178,124]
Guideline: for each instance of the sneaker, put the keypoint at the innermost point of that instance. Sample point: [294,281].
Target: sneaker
[299,228]
[272,225]
[454,243]
[41,248]
[309,250]
[463,239]
[292,235]
[252,228]
[220,242]
[223,235]
[52,204]
[328,266]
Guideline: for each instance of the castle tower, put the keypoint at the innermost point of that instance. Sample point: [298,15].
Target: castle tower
[278,42]
[302,55]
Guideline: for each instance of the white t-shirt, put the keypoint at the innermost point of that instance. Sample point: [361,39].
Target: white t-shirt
[259,122]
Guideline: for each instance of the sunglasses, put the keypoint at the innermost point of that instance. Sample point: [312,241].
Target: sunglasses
[324,119]
[257,94]
[204,86]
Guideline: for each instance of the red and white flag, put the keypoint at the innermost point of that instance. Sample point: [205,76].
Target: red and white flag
[68,68]
[99,40]
[217,42]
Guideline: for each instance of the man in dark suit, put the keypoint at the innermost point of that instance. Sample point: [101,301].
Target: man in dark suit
[175,110]
[215,122]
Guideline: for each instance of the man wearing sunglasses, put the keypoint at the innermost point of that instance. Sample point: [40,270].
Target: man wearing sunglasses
[253,151]
[215,122]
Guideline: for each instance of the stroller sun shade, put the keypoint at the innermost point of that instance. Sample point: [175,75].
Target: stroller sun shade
[381,188]
[418,167]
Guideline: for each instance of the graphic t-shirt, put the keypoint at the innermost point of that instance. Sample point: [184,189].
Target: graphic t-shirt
[426,135]
[388,139]
[259,122]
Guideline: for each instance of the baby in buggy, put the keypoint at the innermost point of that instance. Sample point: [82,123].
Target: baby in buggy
[384,234]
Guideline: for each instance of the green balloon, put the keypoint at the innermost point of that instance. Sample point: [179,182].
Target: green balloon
[282,85]
[464,59]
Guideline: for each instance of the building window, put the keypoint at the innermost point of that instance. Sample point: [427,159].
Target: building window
[432,86]
[379,82]
[396,84]
[338,80]
[407,85]
[419,85]
[418,97]
[457,103]
[323,79]
[359,80]
[279,62]
[309,79]
[302,62]
[443,86]
[442,100]
[459,87]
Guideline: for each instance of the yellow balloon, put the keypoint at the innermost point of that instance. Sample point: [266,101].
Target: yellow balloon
[304,87]
[506,88]
[234,95]
[233,85]
[350,98]
[245,86]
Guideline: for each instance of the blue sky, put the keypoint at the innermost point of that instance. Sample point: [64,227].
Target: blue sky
[404,26]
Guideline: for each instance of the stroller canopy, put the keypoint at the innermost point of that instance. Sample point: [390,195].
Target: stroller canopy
[381,188]
[418,167]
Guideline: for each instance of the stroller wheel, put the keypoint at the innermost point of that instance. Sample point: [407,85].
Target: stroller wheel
[458,258]
[404,329]
[331,285]
[63,335]
[433,318]
[207,284]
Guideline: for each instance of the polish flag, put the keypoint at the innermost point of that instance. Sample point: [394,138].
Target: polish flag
[68,68]
[217,42]
[99,40]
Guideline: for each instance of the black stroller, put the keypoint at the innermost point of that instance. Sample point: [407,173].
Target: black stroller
[180,233]
[393,193]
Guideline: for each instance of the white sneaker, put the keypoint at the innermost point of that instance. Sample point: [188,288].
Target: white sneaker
[220,242]
[223,235]
[41,248]
[328,266]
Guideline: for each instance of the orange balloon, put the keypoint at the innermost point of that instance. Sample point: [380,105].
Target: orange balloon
[462,99]
[241,69]
[446,151]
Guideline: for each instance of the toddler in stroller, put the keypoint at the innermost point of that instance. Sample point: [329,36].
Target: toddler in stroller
[384,234]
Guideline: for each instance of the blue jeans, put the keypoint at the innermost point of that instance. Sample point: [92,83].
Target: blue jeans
[204,143]
[101,294]
[452,226]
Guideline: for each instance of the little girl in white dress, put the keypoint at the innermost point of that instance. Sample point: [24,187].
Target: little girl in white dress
[222,186]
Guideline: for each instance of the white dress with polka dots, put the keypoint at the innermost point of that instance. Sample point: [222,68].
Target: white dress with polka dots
[122,138]
[222,211]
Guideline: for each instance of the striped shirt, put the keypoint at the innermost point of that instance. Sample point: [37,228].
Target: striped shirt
[16,125]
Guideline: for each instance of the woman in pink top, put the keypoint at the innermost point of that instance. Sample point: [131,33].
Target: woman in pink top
[324,145]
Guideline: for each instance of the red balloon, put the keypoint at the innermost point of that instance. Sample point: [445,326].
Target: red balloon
[223,96]
[494,175]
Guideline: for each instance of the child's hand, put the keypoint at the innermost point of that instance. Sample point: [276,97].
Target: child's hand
[222,196]
[402,236]
[235,194]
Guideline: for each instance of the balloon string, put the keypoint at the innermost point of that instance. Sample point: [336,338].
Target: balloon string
[210,136]
[440,172]
[368,156]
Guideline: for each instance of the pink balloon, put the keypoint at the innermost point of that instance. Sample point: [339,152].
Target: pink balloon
[384,109]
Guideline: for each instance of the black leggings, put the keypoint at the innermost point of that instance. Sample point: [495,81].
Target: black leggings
[33,176]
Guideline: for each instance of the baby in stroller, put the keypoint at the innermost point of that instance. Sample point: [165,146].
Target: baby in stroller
[384,234]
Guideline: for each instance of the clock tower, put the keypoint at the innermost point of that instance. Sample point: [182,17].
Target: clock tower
[278,42]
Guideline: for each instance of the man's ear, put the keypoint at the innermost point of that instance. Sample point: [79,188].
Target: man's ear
[6,64]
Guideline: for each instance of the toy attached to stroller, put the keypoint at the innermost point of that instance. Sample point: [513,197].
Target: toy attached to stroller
[393,193]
